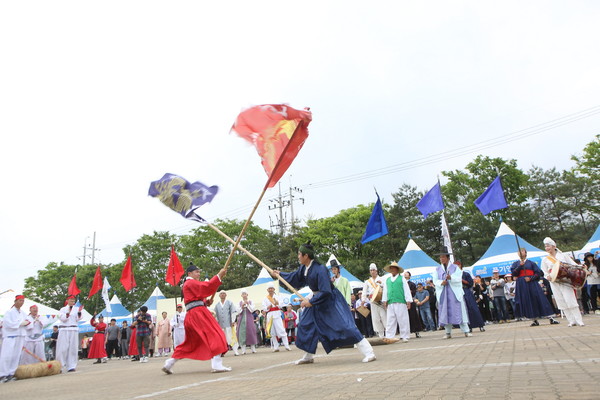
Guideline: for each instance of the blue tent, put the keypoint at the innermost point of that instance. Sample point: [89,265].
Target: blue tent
[116,309]
[592,246]
[151,302]
[417,262]
[503,252]
[263,277]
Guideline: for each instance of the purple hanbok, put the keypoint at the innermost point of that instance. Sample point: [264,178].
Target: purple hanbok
[245,326]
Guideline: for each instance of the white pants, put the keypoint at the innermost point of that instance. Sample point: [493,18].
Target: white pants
[379,317]
[565,298]
[216,362]
[397,316]
[67,345]
[178,336]
[277,329]
[11,353]
[37,348]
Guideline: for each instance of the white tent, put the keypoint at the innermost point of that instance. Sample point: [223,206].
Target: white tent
[151,302]
[591,246]
[417,262]
[502,253]
[7,299]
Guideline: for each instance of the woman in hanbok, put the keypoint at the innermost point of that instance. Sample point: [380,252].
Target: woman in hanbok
[97,349]
[245,325]
[163,333]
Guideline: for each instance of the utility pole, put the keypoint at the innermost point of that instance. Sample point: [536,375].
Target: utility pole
[86,247]
[94,248]
[279,203]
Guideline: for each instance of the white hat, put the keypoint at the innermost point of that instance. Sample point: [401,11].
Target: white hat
[271,285]
[372,267]
[549,241]
[244,291]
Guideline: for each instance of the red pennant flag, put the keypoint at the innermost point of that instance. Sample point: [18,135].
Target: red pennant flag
[175,269]
[127,278]
[73,289]
[97,284]
[278,132]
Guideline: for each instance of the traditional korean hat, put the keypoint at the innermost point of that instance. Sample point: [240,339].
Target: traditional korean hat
[444,252]
[335,264]
[373,266]
[395,265]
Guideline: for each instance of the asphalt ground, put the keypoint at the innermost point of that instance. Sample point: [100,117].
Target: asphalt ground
[507,361]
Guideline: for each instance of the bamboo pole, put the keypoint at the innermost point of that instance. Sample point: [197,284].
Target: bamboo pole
[254,258]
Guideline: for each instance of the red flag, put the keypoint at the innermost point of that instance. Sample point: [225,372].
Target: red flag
[97,284]
[127,278]
[175,269]
[278,132]
[73,289]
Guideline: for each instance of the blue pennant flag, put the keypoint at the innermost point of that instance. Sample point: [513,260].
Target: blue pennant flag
[492,199]
[432,201]
[182,196]
[376,227]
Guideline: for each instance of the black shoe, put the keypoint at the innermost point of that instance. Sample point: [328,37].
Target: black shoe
[482,329]
[536,323]
[553,321]
[417,334]
[97,361]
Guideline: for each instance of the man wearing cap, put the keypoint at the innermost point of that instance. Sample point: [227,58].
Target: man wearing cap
[327,317]
[13,337]
[271,304]
[397,299]
[34,341]
[178,326]
[497,285]
[67,343]
[371,287]
[564,294]
[342,284]
[204,338]
[451,309]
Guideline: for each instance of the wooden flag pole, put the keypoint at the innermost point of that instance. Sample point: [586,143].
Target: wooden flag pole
[237,242]
[253,257]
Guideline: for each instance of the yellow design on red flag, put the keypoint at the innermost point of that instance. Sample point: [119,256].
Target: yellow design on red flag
[277,131]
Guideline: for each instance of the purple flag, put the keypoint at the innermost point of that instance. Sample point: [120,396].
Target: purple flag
[432,201]
[492,199]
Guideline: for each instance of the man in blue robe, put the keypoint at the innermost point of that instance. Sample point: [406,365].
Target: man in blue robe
[530,301]
[327,317]
[451,302]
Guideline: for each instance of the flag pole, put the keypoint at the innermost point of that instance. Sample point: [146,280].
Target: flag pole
[253,257]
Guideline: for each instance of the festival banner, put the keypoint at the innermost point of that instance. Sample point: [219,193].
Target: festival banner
[73,289]
[175,269]
[97,284]
[277,131]
[432,201]
[180,195]
[492,199]
[376,227]
[127,278]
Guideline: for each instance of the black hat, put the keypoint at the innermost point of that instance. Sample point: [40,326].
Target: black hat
[444,252]
[191,268]
[334,263]
[588,254]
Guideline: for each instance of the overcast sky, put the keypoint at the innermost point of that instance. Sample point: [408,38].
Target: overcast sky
[99,99]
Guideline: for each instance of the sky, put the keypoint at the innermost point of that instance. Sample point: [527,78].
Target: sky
[99,99]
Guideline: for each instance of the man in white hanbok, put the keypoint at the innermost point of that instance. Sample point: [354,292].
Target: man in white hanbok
[271,304]
[378,313]
[67,343]
[34,341]
[178,327]
[564,294]
[13,333]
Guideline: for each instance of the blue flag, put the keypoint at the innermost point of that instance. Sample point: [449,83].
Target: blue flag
[182,196]
[432,201]
[376,227]
[492,199]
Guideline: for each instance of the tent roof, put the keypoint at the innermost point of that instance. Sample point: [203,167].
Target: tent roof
[502,253]
[263,277]
[591,245]
[414,257]
[354,281]
[7,299]
[116,309]
[151,302]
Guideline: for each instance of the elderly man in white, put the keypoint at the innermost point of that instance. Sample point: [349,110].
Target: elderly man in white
[13,331]
[272,305]
[371,287]
[564,294]
[34,341]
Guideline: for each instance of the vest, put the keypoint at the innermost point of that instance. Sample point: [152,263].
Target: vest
[395,290]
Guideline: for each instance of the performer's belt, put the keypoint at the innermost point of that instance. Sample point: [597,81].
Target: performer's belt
[274,309]
[100,332]
[526,272]
[67,326]
[194,304]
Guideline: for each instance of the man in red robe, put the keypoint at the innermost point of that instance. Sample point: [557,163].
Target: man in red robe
[204,338]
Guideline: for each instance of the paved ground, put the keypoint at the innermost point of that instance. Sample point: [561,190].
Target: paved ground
[508,361]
